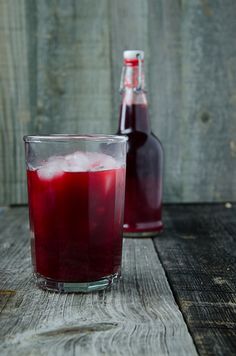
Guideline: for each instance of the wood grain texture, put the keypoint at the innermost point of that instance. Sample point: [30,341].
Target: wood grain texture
[209,100]
[55,77]
[60,66]
[138,316]
[14,100]
[193,96]
[165,72]
[73,66]
[197,251]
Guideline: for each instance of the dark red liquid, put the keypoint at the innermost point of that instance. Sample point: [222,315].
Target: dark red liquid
[143,196]
[76,220]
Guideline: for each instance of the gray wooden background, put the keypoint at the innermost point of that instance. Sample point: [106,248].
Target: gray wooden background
[60,64]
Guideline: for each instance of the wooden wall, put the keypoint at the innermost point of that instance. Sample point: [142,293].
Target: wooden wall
[60,64]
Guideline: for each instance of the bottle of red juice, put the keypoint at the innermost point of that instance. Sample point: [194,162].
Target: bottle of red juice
[143,196]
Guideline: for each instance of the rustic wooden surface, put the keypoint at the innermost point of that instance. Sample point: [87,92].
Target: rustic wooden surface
[60,64]
[198,253]
[192,264]
[138,316]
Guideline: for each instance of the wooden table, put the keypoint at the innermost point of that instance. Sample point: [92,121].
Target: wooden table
[176,297]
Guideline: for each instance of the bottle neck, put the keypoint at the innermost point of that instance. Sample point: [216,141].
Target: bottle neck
[134,106]
[132,76]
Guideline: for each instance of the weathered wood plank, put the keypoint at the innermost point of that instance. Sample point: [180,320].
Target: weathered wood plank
[138,316]
[55,78]
[165,72]
[60,66]
[197,251]
[193,96]
[74,87]
[14,100]
[209,100]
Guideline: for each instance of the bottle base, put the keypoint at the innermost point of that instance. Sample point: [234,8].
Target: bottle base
[143,230]
[75,287]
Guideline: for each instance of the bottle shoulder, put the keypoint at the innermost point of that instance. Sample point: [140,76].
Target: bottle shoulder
[156,139]
[143,142]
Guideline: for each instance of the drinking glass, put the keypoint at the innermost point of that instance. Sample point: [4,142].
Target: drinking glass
[76,186]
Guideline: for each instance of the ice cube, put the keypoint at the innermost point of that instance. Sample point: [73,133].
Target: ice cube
[77,162]
[50,170]
[101,161]
[109,162]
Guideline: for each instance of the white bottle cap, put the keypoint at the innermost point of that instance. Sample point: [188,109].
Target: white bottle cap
[133,54]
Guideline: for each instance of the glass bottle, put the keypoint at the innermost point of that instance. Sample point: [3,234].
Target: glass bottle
[143,197]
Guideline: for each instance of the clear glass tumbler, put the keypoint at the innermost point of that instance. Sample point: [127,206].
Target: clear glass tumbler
[76,188]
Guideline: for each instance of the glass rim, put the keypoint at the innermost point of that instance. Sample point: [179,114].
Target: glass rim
[74,137]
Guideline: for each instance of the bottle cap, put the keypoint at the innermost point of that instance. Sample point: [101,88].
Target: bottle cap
[134,54]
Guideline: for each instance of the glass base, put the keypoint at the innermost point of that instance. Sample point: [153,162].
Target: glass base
[75,287]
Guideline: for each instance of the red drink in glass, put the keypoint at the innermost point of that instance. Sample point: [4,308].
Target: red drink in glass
[76,222]
[76,204]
